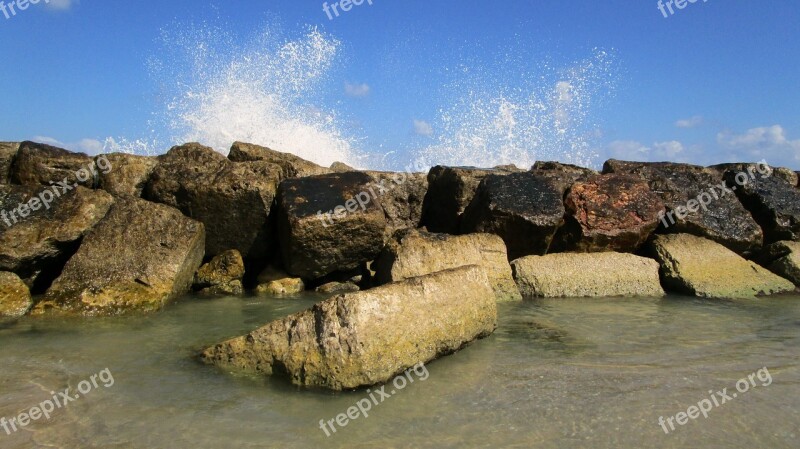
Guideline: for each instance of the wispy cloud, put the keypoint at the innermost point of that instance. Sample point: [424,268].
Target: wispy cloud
[62,4]
[356,90]
[88,146]
[691,122]
[636,151]
[769,142]
[423,128]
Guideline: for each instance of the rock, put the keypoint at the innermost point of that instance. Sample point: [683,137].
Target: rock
[779,172]
[282,287]
[36,247]
[724,220]
[783,259]
[576,171]
[450,190]
[614,212]
[341,167]
[231,288]
[576,275]
[418,253]
[525,209]
[138,258]
[232,200]
[701,267]
[366,338]
[8,151]
[337,287]
[401,195]
[129,175]
[222,275]
[15,298]
[773,202]
[40,164]
[291,166]
[329,223]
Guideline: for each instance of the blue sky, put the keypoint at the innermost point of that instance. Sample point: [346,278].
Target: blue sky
[717,81]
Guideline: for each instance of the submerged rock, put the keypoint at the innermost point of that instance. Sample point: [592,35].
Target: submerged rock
[450,190]
[138,258]
[37,246]
[366,338]
[40,164]
[291,166]
[573,275]
[222,275]
[682,187]
[329,223]
[232,200]
[338,287]
[774,203]
[614,212]
[272,281]
[128,173]
[15,298]
[8,151]
[701,267]
[417,253]
[524,209]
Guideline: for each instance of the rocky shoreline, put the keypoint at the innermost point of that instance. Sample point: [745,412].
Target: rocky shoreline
[416,260]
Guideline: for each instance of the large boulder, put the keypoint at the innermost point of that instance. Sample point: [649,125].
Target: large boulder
[573,275]
[232,200]
[40,164]
[614,212]
[525,209]
[366,338]
[783,259]
[417,253]
[15,298]
[450,190]
[701,267]
[291,166]
[697,202]
[8,151]
[138,258]
[563,175]
[329,223]
[756,168]
[773,202]
[37,245]
[222,275]
[123,174]
[402,195]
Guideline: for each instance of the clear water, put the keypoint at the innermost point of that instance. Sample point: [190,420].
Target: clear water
[557,373]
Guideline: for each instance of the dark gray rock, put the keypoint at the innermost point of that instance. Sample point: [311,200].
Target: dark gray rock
[773,202]
[525,209]
[723,220]
[402,195]
[329,223]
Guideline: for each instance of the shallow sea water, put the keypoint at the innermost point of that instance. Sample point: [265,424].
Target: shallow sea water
[557,373]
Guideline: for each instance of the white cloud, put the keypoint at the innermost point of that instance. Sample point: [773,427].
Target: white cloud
[62,4]
[356,90]
[692,122]
[768,142]
[423,128]
[637,151]
[89,146]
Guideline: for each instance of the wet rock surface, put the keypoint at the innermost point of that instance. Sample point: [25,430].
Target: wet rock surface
[329,223]
[723,220]
[783,259]
[524,209]
[222,275]
[773,202]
